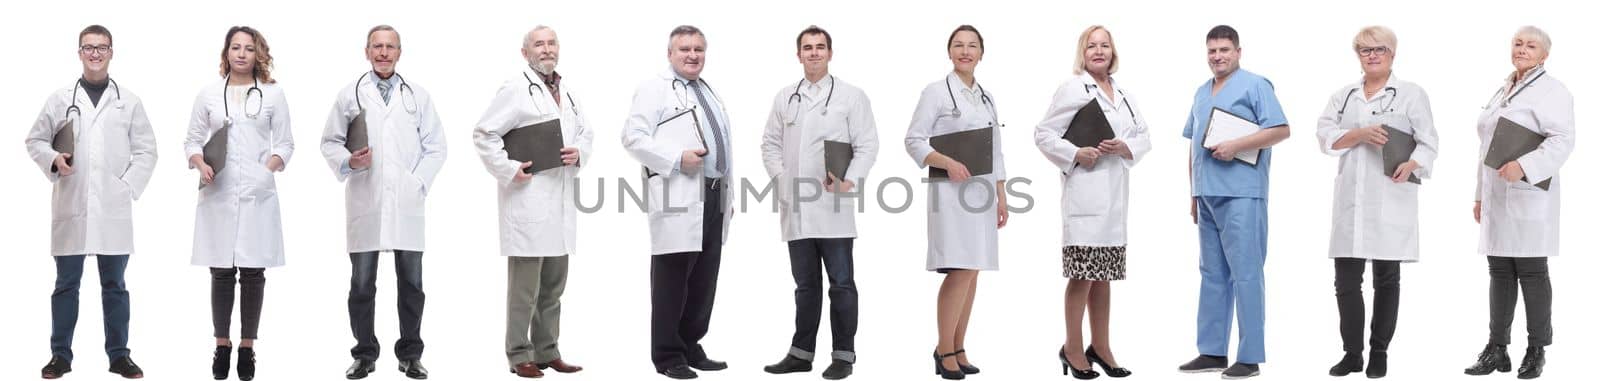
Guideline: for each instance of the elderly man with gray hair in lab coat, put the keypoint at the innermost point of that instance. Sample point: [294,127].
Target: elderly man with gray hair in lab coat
[538,210]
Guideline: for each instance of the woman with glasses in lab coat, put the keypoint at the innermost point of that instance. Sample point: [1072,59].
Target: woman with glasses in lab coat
[963,218]
[1518,206]
[1094,198]
[1374,206]
[238,229]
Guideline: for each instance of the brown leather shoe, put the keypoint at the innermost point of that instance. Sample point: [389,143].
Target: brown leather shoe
[561,366]
[527,370]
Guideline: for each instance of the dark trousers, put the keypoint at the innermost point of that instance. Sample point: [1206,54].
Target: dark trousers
[252,285]
[363,291]
[683,287]
[1533,274]
[807,260]
[113,303]
[1352,308]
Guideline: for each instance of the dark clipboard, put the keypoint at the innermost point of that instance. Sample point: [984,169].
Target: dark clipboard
[1089,127]
[215,152]
[836,157]
[539,143]
[972,148]
[1510,142]
[65,141]
[355,134]
[1398,151]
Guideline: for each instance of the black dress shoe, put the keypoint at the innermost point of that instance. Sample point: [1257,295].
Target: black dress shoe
[414,369]
[789,364]
[965,368]
[838,370]
[247,364]
[124,366]
[708,365]
[679,372]
[1532,364]
[1377,364]
[1067,368]
[1351,363]
[1094,358]
[219,362]
[56,368]
[360,369]
[1493,359]
[946,373]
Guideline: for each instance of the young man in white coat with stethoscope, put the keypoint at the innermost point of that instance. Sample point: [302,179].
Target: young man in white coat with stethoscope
[1374,207]
[678,130]
[386,187]
[817,208]
[111,154]
[538,210]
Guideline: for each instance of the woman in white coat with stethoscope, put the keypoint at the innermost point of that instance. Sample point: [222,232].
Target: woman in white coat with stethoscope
[238,229]
[1094,198]
[1374,206]
[1519,222]
[963,226]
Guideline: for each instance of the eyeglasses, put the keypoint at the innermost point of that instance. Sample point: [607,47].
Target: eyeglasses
[89,49]
[1366,52]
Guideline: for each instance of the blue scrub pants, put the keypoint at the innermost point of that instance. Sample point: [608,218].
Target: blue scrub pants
[1233,249]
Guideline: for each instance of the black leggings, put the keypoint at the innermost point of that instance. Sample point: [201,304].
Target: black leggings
[1533,275]
[1352,309]
[253,282]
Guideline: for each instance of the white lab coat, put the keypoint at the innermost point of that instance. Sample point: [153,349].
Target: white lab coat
[1518,219]
[92,210]
[673,198]
[1094,200]
[791,150]
[237,222]
[384,204]
[1374,217]
[538,218]
[958,238]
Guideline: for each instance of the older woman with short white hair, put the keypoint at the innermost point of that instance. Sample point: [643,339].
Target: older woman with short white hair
[1518,206]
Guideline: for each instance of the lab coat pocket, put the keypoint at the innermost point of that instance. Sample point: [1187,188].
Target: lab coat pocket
[1399,214]
[1526,202]
[1088,193]
[413,196]
[654,192]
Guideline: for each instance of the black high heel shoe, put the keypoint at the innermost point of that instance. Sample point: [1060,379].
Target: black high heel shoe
[965,368]
[1067,368]
[247,363]
[1094,358]
[219,362]
[939,369]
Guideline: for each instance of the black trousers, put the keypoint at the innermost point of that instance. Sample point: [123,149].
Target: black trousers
[252,287]
[363,292]
[683,287]
[1347,277]
[1533,274]
[808,258]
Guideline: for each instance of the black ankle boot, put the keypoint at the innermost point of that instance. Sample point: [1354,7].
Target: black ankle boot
[1532,364]
[219,362]
[1493,359]
[247,363]
[1377,364]
[1351,363]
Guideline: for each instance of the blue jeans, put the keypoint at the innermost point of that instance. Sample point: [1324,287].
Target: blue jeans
[113,301]
[1233,250]
[808,259]
[362,304]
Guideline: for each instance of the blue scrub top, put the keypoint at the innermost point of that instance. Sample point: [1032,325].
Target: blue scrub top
[1247,95]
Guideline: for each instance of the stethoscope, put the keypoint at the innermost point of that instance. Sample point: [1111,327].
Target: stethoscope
[1387,107]
[227,117]
[408,98]
[532,85]
[983,96]
[796,99]
[683,100]
[1124,97]
[74,109]
[1507,101]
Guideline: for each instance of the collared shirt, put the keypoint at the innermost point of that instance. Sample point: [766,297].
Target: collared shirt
[1247,95]
[553,82]
[393,83]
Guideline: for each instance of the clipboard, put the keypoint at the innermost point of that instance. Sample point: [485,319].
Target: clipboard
[1224,126]
[539,143]
[1511,141]
[355,134]
[673,135]
[215,152]
[836,157]
[972,148]
[1398,151]
[65,141]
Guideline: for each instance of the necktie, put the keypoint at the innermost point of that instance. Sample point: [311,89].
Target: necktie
[716,129]
[383,89]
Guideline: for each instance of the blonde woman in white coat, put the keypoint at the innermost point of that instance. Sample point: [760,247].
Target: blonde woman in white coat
[238,229]
[1094,198]
[1519,223]
[1374,210]
[538,211]
[963,227]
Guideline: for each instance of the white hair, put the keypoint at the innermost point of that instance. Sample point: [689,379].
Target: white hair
[528,38]
[1537,34]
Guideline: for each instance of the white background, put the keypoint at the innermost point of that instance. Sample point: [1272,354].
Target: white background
[462,50]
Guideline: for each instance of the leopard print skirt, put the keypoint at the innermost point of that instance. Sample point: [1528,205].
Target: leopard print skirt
[1094,262]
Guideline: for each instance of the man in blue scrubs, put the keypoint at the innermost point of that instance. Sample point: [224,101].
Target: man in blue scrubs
[1229,203]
